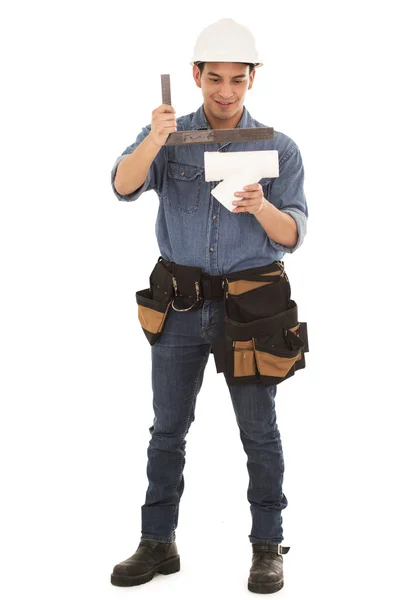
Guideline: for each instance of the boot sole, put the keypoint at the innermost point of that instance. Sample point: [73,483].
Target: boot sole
[169,566]
[265,588]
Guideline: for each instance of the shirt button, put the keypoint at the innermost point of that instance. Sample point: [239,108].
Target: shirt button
[213,217]
[211,249]
[182,173]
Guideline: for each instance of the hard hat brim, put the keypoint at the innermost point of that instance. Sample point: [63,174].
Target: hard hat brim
[260,64]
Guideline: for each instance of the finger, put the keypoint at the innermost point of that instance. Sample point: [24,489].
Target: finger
[164,118]
[164,115]
[255,208]
[245,204]
[247,194]
[163,108]
[252,187]
[167,108]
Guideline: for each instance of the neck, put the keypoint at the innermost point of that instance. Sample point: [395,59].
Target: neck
[231,123]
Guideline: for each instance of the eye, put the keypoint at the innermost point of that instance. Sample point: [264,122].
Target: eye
[216,80]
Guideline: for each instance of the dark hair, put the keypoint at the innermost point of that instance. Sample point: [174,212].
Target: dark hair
[201,66]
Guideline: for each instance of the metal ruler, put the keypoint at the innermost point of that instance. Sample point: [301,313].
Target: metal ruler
[208,136]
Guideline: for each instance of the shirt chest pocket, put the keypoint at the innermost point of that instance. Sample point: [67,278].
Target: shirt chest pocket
[183,186]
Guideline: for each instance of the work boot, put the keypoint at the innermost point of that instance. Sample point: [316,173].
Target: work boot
[266,573]
[150,558]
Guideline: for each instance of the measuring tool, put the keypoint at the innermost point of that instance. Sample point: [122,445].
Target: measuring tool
[209,136]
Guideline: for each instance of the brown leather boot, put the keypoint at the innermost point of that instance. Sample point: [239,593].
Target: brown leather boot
[266,573]
[150,558]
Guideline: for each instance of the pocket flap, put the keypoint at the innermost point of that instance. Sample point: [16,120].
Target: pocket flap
[183,172]
[283,343]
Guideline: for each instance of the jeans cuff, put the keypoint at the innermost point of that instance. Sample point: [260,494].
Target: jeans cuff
[154,538]
[254,540]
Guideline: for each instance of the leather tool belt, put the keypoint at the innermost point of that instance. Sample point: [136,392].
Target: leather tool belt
[264,341]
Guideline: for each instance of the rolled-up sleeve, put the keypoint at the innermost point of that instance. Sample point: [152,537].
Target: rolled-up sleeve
[154,178]
[287,194]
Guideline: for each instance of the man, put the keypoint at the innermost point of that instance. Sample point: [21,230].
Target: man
[195,230]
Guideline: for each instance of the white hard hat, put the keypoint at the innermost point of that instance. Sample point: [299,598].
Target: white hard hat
[226,41]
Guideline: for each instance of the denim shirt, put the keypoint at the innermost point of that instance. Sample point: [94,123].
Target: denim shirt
[192,227]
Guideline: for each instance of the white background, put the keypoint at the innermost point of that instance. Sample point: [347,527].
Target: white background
[80,80]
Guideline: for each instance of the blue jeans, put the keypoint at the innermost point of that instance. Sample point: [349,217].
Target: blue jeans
[178,361]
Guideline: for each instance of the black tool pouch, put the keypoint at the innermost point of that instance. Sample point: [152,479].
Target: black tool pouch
[264,341]
[154,302]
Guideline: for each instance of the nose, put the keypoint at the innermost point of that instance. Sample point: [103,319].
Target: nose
[225,91]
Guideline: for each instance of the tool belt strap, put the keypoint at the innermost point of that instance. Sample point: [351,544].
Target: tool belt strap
[211,286]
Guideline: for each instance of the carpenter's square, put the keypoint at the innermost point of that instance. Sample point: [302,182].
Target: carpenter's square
[209,136]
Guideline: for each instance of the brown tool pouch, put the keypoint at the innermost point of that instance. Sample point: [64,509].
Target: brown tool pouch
[154,302]
[264,341]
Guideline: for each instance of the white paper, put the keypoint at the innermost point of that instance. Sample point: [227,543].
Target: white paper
[237,169]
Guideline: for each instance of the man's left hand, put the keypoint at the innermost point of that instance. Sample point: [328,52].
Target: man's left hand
[252,199]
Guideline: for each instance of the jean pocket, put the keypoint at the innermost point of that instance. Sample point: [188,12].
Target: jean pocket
[183,186]
[276,355]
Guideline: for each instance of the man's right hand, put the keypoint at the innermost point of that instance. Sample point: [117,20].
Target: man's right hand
[163,123]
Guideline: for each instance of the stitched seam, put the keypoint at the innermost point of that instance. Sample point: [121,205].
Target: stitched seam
[185,432]
[288,154]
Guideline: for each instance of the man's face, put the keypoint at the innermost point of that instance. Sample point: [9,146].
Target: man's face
[224,86]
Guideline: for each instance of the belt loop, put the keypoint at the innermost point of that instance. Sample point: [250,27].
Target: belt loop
[206,286]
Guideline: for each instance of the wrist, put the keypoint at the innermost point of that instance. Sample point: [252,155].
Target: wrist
[262,206]
[151,142]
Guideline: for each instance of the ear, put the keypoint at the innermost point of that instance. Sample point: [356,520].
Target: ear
[196,75]
[252,77]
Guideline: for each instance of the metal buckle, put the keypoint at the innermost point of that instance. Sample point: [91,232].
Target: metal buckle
[196,285]
[279,548]
[183,309]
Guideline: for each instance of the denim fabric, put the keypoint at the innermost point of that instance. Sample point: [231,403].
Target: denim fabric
[192,227]
[179,359]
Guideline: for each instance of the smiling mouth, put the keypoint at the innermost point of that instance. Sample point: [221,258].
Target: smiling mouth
[223,103]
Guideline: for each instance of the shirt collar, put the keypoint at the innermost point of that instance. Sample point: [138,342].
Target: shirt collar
[199,120]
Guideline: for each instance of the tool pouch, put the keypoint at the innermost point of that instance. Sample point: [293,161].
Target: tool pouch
[154,302]
[264,341]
